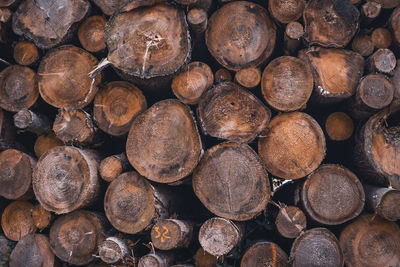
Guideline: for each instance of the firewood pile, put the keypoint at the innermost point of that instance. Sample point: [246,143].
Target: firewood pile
[207,133]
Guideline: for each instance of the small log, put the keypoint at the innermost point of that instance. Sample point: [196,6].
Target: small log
[114,250]
[387,4]
[163,144]
[383,60]
[48,23]
[75,237]
[8,3]
[116,105]
[375,153]
[16,220]
[339,126]
[75,126]
[383,201]
[317,245]
[65,179]
[330,23]
[132,204]
[5,248]
[264,253]
[41,217]
[374,92]
[26,53]
[91,32]
[287,83]
[16,169]
[249,77]
[381,37]
[198,20]
[345,65]
[33,250]
[292,38]
[193,80]
[232,36]
[171,234]
[286,11]
[218,236]
[46,142]
[363,45]
[109,7]
[112,166]
[371,241]
[5,15]
[18,88]
[290,221]
[292,146]
[394,25]
[228,111]
[63,77]
[159,259]
[30,121]
[332,195]
[204,259]
[395,79]
[218,182]
[222,75]
[370,11]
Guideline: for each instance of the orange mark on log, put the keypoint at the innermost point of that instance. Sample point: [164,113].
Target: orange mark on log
[163,235]
[273,255]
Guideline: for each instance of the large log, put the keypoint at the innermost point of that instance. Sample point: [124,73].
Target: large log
[264,253]
[16,220]
[231,182]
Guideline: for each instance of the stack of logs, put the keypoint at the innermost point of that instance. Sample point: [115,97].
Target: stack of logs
[200,133]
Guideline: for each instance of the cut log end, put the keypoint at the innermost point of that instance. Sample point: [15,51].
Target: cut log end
[290,221]
[204,259]
[363,45]
[91,33]
[383,201]
[112,166]
[16,220]
[381,37]
[287,10]
[371,10]
[248,77]
[339,126]
[113,250]
[375,91]
[25,53]
[383,60]
[158,259]
[41,217]
[294,30]
[223,75]
[171,234]
[265,253]
[46,142]
[33,122]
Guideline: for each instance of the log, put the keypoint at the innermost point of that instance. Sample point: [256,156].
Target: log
[16,169]
[218,182]
[114,250]
[65,179]
[264,253]
[374,92]
[26,53]
[18,88]
[16,220]
[171,234]
[46,142]
[63,77]
[91,32]
[41,217]
[7,131]
[74,237]
[136,4]
[228,111]
[112,166]
[332,195]
[394,23]
[148,42]
[375,151]
[75,126]
[381,37]
[109,7]
[286,11]
[249,77]
[218,236]
[8,3]
[193,80]
[204,259]
[292,146]
[383,201]
[159,259]
[222,75]
[49,23]
[383,60]
[5,249]
[132,204]
[290,221]
[287,83]
[388,4]
[33,250]
[233,35]
[395,79]
[316,247]
[116,105]
[370,11]
[345,65]
[5,15]
[330,23]
[371,241]
[292,37]
[30,121]
[339,126]
[163,144]
[198,20]
[363,45]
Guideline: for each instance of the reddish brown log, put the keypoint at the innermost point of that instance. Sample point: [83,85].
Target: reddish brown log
[292,146]
[218,182]
[25,53]
[91,33]
[46,142]
[249,77]
[171,234]
[198,21]
[383,60]
[287,10]
[112,166]
[293,32]
[222,75]
[16,220]
[159,259]
[264,253]
[383,201]
[65,179]
[371,241]
[41,217]
[370,11]
[339,126]
[114,250]
[18,88]
[363,45]
[387,4]
[5,15]
[204,259]
[290,221]
[232,36]
[381,37]
[28,120]
[7,3]
[109,7]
